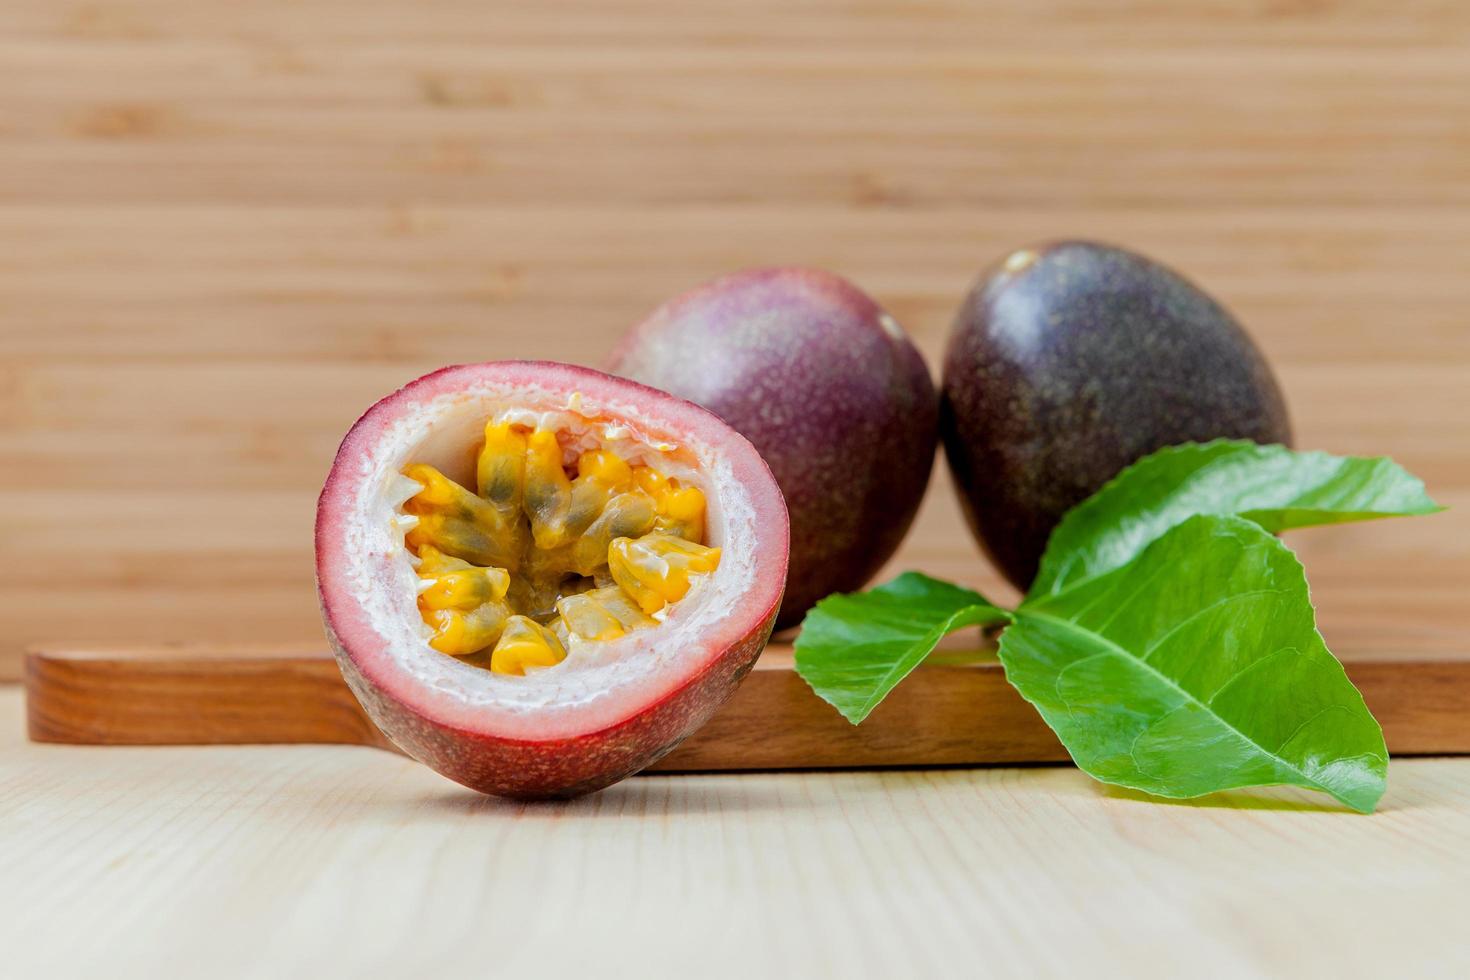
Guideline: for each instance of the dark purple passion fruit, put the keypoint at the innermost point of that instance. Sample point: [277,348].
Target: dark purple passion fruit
[1069,361]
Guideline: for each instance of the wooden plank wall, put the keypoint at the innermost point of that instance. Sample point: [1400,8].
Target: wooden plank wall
[225,229]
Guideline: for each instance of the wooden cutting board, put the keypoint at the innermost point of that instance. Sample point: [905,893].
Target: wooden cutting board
[956,709]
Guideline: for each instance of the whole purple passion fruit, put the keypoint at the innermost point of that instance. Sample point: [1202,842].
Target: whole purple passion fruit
[1069,361]
[830,390]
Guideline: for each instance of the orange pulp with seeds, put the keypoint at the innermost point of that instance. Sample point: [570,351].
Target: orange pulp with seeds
[542,555]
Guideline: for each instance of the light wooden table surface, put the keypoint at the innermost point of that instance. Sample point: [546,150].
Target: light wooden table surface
[313,861]
[228,228]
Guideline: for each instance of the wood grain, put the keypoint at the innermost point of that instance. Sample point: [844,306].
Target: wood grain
[191,696]
[228,228]
[231,227]
[957,711]
[288,861]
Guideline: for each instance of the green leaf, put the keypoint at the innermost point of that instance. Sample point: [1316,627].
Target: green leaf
[854,648]
[1270,485]
[1197,667]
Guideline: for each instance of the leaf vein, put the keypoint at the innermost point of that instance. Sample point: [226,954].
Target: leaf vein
[1169,682]
[1149,651]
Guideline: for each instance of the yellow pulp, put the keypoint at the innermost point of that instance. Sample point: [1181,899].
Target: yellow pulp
[540,556]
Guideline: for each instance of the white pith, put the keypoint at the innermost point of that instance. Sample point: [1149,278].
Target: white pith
[596,682]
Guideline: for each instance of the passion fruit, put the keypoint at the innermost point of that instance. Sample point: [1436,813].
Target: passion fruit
[831,391]
[1069,361]
[538,578]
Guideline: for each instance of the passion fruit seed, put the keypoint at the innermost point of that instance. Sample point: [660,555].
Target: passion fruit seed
[541,558]
[526,643]
[602,614]
[455,583]
[680,509]
[658,568]
[459,523]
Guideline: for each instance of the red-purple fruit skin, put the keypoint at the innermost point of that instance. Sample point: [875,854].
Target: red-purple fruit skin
[558,768]
[831,392]
[552,768]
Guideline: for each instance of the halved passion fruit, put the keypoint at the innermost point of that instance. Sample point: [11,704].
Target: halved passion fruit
[539,578]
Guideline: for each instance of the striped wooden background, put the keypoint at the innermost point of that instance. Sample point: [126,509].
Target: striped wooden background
[227,228]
